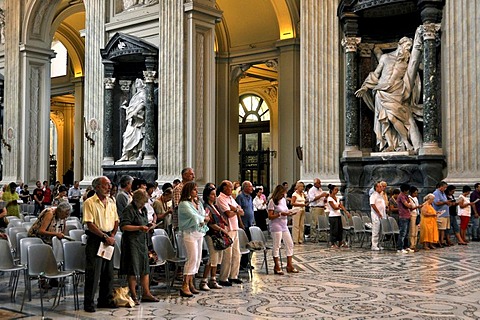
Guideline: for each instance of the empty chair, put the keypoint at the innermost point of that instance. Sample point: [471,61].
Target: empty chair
[359,229]
[386,232]
[257,235]
[43,266]
[57,247]
[74,260]
[30,208]
[74,222]
[159,232]
[27,225]
[7,265]
[12,223]
[20,236]
[164,249]
[76,234]
[69,227]
[24,244]
[323,226]
[28,217]
[12,235]
[243,240]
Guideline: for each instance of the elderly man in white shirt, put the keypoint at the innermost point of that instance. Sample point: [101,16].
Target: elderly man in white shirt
[378,206]
[231,256]
[317,198]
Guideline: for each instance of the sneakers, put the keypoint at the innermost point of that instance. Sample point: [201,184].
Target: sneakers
[403,251]
[381,248]
[375,249]
[410,250]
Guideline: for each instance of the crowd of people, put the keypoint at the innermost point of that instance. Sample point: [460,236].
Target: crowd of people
[136,207]
[435,219]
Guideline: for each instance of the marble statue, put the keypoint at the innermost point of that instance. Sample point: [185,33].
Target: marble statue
[133,137]
[395,85]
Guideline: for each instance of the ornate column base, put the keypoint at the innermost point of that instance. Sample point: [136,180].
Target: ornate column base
[430,148]
[107,161]
[352,152]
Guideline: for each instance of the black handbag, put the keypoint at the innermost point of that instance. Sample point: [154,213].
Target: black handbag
[221,241]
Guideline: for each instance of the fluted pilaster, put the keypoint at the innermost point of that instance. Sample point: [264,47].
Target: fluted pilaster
[461,90]
[171,145]
[319,101]
[94,77]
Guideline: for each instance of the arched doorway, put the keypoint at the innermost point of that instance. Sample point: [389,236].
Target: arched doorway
[254,140]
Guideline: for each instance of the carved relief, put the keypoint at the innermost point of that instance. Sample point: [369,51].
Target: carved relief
[149,76]
[272,64]
[35,76]
[133,4]
[272,91]
[109,83]
[200,108]
[2,26]
[37,31]
[58,117]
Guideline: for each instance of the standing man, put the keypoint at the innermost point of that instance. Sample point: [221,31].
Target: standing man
[316,197]
[378,205]
[404,216]
[124,195]
[475,196]
[38,199]
[100,216]
[74,195]
[231,256]
[441,204]
[187,176]
[244,199]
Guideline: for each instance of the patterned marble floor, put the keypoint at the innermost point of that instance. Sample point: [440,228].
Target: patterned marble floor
[333,284]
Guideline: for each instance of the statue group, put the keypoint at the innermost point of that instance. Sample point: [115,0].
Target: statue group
[392,92]
[133,136]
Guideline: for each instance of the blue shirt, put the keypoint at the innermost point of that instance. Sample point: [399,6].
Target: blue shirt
[440,197]
[246,202]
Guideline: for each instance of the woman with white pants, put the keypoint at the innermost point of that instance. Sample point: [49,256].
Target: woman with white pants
[192,222]
[278,214]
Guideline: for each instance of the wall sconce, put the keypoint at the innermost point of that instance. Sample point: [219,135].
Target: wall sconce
[93,125]
[273,154]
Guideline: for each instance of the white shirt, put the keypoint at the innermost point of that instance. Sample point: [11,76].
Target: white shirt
[415,201]
[467,211]
[378,200]
[312,194]
[333,213]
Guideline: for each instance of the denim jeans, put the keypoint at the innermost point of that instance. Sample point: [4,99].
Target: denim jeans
[403,225]
[475,225]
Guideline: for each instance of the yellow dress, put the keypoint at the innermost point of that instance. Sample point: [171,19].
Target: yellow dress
[428,225]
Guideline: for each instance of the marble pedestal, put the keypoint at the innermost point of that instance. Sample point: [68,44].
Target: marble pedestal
[136,169]
[359,175]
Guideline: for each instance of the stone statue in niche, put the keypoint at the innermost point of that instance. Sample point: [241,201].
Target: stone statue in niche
[396,87]
[133,137]
[130,4]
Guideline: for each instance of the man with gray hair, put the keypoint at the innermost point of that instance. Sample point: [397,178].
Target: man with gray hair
[100,216]
[124,195]
[317,198]
[244,199]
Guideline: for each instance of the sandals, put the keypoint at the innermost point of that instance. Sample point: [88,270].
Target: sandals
[149,298]
[292,270]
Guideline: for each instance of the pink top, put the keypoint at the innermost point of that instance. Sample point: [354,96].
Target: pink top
[223,202]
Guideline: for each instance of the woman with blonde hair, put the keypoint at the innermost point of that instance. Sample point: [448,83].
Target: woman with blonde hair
[298,206]
[428,223]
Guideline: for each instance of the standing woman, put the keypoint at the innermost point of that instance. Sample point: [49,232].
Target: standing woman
[335,217]
[192,222]
[216,225]
[278,214]
[428,223]
[464,212]
[260,209]
[298,206]
[134,259]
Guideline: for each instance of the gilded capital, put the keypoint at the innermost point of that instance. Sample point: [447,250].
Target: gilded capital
[430,31]
[351,43]
[109,83]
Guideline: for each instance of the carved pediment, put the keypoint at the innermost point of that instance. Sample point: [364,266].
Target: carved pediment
[127,47]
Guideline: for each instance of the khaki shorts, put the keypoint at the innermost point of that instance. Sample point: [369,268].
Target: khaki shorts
[443,223]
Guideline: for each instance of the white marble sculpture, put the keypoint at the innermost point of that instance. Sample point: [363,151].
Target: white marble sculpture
[133,137]
[395,85]
[130,4]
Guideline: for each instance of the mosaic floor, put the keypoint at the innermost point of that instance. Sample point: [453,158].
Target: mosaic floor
[333,284]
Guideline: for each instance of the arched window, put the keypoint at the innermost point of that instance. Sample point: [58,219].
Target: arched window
[254,139]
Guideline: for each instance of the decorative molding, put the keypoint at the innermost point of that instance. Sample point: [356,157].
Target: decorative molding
[272,91]
[351,43]
[200,108]
[273,63]
[35,77]
[430,31]
[365,49]
[149,76]
[39,16]
[109,83]
[238,72]
[125,85]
